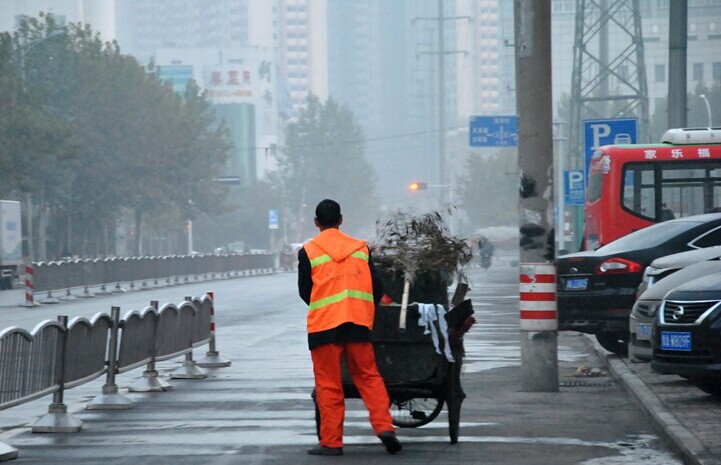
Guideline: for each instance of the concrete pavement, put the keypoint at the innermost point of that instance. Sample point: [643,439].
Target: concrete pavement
[685,417]
[258,411]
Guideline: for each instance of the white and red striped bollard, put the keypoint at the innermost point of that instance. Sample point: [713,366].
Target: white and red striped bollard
[539,328]
[29,287]
[538,297]
[212,358]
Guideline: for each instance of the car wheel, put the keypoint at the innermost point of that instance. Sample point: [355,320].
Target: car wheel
[708,384]
[613,341]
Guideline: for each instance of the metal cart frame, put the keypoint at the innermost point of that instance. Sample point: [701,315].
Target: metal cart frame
[419,380]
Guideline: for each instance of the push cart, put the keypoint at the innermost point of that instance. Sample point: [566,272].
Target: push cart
[418,378]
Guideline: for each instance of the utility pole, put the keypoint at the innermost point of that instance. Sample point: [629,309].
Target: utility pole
[677,37]
[538,316]
[444,196]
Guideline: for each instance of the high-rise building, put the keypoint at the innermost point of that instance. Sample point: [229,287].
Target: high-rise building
[100,15]
[302,42]
[144,26]
[233,59]
[383,63]
[230,36]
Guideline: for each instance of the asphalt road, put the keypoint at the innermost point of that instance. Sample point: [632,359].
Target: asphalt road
[259,411]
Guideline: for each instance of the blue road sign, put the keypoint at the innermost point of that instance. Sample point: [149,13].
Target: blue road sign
[574,187]
[493,131]
[599,132]
[272,218]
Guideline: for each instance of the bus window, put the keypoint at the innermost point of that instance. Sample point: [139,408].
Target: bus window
[713,201]
[638,190]
[683,189]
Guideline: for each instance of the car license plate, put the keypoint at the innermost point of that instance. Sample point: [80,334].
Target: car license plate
[672,340]
[643,331]
[576,284]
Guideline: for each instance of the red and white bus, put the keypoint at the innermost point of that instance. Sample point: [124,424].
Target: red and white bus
[633,186]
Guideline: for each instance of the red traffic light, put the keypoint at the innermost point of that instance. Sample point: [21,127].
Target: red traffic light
[418,186]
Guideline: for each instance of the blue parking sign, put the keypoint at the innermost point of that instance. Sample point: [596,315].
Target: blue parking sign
[574,187]
[600,132]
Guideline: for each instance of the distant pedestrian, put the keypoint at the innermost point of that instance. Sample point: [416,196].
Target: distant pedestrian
[336,278]
[486,250]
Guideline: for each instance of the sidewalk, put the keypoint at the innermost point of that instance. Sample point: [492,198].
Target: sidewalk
[259,411]
[245,415]
[683,415]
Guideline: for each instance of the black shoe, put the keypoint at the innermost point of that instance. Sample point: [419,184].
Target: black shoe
[323,450]
[391,442]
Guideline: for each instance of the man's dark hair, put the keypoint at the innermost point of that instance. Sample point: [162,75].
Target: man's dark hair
[328,213]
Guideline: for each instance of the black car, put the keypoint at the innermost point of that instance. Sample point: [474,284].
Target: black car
[597,289]
[687,333]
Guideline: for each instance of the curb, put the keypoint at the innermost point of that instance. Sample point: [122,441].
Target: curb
[673,432]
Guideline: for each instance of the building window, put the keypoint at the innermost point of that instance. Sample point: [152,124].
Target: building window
[660,73]
[698,71]
[717,71]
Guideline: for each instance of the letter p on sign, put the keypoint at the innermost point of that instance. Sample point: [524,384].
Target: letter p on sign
[575,180]
[599,131]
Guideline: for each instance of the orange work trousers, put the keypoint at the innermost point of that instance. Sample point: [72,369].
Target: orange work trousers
[329,388]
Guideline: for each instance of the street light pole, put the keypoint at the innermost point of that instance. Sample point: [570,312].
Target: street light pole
[559,186]
[708,109]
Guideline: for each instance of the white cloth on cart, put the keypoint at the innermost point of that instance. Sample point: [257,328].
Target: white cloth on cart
[428,314]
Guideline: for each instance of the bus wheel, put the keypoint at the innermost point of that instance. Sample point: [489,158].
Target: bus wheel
[613,341]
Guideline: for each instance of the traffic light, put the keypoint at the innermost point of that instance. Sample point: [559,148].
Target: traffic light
[418,186]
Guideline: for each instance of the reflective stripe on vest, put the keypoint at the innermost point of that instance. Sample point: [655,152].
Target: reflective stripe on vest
[348,293]
[326,258]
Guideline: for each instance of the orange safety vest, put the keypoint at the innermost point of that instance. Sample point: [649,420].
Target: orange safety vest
[342,285]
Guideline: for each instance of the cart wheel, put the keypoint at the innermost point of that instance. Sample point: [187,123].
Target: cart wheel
[413,413]
[454,400]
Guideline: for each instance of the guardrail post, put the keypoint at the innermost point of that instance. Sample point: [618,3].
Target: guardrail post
[68,295]
[86,293]
[50,299]
[58,420]
[104,270]
[150,382]
[189,369]
[212,357]
[110,399]
[103,290]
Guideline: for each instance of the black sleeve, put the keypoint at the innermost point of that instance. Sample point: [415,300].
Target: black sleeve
[377,282]
[305,282]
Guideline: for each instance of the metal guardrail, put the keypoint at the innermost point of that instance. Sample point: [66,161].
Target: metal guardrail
[28,361]
[57,355]
[135,273]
